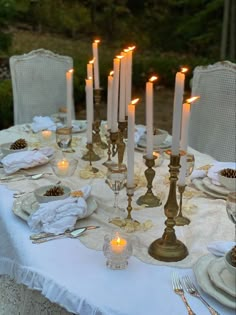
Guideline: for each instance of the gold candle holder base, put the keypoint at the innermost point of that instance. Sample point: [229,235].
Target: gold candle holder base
[168,248]
[90,155]
[180,220]
[149,199]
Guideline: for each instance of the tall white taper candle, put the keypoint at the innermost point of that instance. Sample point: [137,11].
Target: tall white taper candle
[122,104]
[109,99]
[177,111]
[115,94]
[89,109]
[69,96]
[149,116]
[96,64]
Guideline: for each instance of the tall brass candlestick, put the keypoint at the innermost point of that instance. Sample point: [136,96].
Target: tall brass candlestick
[90,155]
[97,121]
[168,247]
[122,125]
[130,193]
[149,199]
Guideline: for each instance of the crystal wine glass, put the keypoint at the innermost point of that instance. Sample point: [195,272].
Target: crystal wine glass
[64,137]
[116,179]
[190,164]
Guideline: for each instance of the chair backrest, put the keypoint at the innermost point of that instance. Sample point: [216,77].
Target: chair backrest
[39,84]
[212,127]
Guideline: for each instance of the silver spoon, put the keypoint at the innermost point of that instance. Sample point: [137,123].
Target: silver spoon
[22,176]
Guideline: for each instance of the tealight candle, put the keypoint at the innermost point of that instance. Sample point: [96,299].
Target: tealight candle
[63,166]
[46,134]
[118,244]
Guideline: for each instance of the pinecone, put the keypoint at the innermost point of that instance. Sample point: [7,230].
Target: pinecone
[228,172]
[54,191]
[233,256]
[18,144]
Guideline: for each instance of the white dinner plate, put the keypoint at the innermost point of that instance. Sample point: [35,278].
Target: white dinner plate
[221,277]
[141,146]
[27,204]
[79,126]
[216,188]
[197,182]
[200,271]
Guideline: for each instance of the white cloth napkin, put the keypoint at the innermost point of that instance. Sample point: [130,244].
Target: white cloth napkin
[40,123]
[213,171]
[25,159]
[58,216]
[220,248]
[198,174]
[139,132]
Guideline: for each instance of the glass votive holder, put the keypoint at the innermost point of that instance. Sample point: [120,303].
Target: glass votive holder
[64,137]
[117,249]
[46,135]
[159,157]
[63,167]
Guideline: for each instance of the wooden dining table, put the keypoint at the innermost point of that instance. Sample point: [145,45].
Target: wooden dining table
[70,275]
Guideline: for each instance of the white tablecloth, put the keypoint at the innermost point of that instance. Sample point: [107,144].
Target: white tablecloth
[75,277]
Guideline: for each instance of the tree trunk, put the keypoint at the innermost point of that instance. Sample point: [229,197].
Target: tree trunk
[224,36]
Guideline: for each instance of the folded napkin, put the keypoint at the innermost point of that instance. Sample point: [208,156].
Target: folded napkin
[220,248]
[139,132]
[213,171]
[40,123]
[198,174]
[58,216]
[25,159]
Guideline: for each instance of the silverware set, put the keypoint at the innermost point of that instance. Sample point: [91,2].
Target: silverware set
[180,286]
[45,237]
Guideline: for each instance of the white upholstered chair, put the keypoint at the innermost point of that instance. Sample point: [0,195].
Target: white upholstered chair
[212,127]
[39,84]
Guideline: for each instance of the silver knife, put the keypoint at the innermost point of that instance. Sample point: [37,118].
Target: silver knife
[71,232]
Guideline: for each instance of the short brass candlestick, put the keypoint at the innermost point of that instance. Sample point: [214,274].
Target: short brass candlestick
[109,160]
[97,123]
[130,193]
[168,248]
[90,155]
[149,199]
[180,220]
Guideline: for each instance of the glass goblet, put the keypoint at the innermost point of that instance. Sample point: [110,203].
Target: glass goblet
[64,137]
[190,164]
[116,179]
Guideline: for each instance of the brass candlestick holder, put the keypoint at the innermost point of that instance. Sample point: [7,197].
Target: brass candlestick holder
[168,248]
[114,139]
[149,199]
[130,193]
[180,220]
[109,160]
[90,155]
[97,123]
[122,125]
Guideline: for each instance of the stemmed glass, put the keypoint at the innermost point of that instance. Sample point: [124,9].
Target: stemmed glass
[116,179]
[231,207]
[190,164]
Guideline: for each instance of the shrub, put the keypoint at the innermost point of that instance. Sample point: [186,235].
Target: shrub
[6,104]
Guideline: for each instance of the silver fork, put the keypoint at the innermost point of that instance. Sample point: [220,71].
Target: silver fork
[178,289]
[191,289]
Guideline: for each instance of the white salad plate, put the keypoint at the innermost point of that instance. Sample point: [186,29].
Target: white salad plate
[197,182]
[26,205]
[216,188]
[201,272]
[79,126]
[221,277]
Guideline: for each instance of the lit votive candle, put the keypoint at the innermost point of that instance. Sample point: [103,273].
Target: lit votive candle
[46,134]
[63,167]
[118,244]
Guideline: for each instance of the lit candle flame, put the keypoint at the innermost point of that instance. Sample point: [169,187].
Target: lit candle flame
[126,50]
[91,61]
[71,70]
[192,99]
[183,70]
[90,78]
[97,41]
[119,56]
[111,72]
[118,240]
[135,101]
[132,47]
[153,78]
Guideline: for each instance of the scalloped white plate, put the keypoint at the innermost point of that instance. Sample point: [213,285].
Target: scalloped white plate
[199,185]
[218,189]
[24,206]
[200,271]
[221,277]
